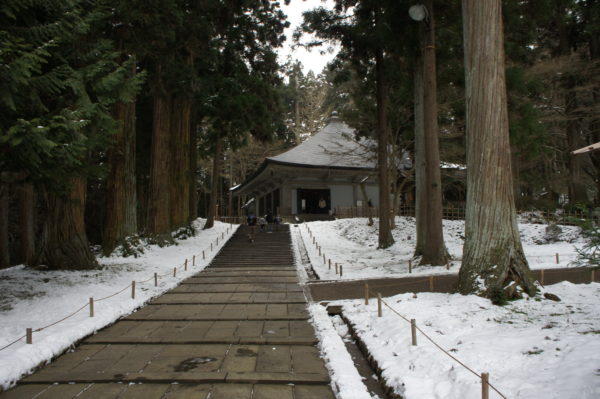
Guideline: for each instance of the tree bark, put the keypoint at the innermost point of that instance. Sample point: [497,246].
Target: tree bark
[434,250]
[4,247]
[121,196]
[214,192]
[385,234]
[193,148]
[27,223]
[159,221]
[67,244]
[421,201]
[492,254]
[180,142]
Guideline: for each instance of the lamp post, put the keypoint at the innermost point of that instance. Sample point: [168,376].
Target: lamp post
[432,248]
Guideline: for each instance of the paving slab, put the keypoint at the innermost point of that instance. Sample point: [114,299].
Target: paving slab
[236,311]
[169,391]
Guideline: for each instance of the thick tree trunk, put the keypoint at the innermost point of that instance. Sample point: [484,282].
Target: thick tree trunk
[214,191]
[121,198]
[193,198]
[180,142]
[4,247]
[159,221]
[67,244]
[433,250]
[27,223]
[492,255]
[385,233]
[421,200]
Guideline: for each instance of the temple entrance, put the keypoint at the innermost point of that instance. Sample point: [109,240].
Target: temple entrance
[313,201]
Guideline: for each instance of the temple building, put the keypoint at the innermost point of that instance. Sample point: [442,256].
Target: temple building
[329,171]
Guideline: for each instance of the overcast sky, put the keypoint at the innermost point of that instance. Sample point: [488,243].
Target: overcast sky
[312,60]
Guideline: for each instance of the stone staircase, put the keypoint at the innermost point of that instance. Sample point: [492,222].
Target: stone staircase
[239,329]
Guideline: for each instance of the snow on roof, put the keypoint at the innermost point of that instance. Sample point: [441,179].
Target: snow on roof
[332,146]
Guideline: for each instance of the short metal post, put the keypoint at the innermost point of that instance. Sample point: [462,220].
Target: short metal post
[29,336]
[413,330]
[91,307]
[133,289]
[485,385]
[379,310]
[366,294]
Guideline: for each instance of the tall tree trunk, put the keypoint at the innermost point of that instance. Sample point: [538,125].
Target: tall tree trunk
[421,200]
[4,247]
[121,196]
[67,245]
[193,148]
[180,142]
[216,176]
[492,254]
[385,233]
[433,250]
[27,223]
[159,211]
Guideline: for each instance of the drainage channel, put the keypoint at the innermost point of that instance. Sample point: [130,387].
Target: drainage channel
[370,378]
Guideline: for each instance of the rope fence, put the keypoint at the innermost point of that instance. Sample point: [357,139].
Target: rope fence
[90,304]
[484,377]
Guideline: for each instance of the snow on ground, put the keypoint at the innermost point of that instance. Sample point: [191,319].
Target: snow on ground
[35,298]
[532,348]
[353,244]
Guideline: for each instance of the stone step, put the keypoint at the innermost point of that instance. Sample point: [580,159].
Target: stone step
[233,287]
[206,279]
[230,297]
[201,363]
[297,332]
[272,311]
[172,391]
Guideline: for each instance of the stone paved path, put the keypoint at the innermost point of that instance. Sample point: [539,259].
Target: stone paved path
[239,329]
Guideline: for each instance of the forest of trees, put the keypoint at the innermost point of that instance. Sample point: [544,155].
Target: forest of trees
[128,120]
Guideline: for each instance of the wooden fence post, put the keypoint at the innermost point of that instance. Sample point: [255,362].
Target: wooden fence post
[194,261]
[485,386]
[413,331]
[133,289]
[557,261]
[330,263]
[156,279]
[366,294]
[185,265]
[91,307]
[203,257]
[324,260]
[379,310]
[174,272]
[410,265]
[431,283]
[29,336]
[542,276]
[341,270]
[336,268]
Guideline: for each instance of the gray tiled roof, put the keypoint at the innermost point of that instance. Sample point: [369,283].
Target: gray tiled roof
[332,146]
